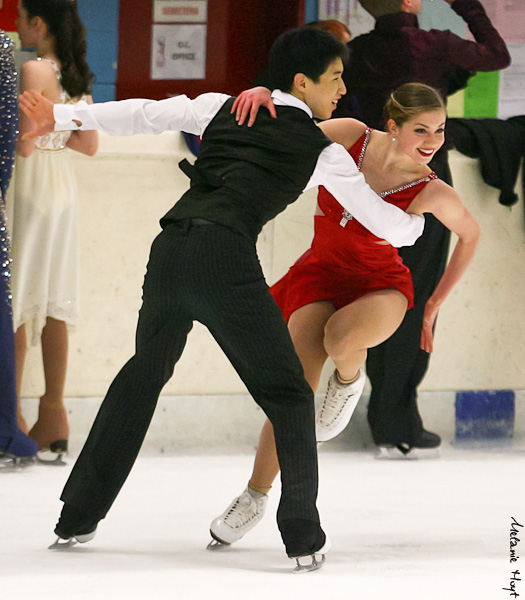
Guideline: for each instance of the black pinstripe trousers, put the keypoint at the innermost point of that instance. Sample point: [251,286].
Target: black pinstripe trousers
[211,274]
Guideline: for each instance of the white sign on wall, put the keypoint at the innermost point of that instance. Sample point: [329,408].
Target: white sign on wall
[178,52]
[180,11]
[349,12]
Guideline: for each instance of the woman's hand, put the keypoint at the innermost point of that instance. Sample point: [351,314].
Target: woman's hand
[250,101]
[429,318]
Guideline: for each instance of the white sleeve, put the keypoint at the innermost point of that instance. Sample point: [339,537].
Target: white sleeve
[338,173]
[128,117]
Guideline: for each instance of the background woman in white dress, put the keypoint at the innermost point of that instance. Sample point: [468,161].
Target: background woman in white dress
[45,213]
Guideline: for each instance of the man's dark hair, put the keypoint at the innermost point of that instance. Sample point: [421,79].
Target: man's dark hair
[302,50]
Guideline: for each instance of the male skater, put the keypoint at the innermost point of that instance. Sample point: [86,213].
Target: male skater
[203,267]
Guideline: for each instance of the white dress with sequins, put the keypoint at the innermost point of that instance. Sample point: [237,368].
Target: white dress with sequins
[44,234]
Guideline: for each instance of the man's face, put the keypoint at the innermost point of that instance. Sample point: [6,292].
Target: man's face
[322,96]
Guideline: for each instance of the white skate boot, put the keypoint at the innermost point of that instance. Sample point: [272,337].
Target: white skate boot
[338,406]
[242,515]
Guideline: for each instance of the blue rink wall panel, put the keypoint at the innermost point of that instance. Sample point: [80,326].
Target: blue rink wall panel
[485,415]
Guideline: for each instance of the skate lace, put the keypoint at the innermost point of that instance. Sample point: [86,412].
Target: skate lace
[242,511]
[334,403]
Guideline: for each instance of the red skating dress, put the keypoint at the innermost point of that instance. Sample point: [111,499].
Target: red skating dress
[345,262]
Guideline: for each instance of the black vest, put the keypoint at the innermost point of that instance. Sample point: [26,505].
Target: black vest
[246,176]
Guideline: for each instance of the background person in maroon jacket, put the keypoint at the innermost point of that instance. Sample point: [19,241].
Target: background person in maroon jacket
[397,51]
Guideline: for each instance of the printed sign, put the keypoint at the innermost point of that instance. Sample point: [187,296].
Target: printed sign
[180,11]
[349,12]
[512,84]
[178,52]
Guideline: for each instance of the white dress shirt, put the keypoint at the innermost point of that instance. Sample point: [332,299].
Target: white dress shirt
[335,168]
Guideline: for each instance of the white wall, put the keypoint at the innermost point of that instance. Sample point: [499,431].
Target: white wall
[132,182]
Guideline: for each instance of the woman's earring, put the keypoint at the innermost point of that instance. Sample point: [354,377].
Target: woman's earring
[393,139]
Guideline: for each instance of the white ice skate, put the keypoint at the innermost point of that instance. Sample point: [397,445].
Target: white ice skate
[242,515]
[312,562]
[338,406]
[64,544]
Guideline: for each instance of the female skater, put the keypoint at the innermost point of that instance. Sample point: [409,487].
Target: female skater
[44,230]
[350,290]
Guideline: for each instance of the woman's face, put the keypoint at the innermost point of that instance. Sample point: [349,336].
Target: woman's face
[422,135]
[25,28]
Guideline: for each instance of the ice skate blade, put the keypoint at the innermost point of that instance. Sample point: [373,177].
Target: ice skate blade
[10,463]
[49,458]
[215,545]
[305,564]
[61,544]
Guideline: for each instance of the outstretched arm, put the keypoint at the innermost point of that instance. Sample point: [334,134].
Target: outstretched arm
[126,117]
[444,203]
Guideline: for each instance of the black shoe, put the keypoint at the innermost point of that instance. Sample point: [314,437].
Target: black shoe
[427,439]
[302,537]
[73,523]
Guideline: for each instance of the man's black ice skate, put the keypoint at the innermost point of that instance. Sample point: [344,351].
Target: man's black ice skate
[73,527]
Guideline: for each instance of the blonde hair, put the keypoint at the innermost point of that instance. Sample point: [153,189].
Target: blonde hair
[379,8]
[411,99]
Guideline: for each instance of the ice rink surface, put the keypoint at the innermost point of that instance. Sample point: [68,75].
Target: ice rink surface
[418,530]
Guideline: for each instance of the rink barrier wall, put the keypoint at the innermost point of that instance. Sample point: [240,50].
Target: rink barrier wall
[223,424]
[132,182]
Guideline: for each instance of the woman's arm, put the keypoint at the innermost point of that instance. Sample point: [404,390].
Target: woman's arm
[85,142]
[443,202]
[343,131]
[33,76]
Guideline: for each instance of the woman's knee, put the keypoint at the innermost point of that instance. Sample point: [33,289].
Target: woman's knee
[337,341]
